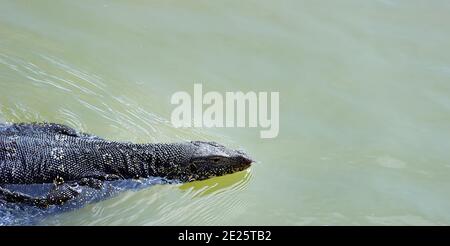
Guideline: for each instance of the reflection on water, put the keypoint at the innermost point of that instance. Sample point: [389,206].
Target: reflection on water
[236,182]
[18,214]
[165,204]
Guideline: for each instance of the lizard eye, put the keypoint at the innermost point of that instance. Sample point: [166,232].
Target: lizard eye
[215,159]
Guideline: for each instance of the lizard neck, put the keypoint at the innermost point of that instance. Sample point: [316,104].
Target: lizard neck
[162,160]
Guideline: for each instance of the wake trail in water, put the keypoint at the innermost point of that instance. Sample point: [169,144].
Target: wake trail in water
[88,95]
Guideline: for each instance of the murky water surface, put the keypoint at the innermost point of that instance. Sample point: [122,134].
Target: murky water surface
[364,103]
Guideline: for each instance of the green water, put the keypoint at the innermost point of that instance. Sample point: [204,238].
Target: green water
[364,102]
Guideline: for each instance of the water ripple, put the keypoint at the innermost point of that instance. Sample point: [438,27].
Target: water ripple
[85,96]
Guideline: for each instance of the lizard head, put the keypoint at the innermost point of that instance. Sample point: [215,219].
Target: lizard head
[210,159]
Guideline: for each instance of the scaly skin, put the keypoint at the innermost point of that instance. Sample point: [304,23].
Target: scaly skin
[46,153]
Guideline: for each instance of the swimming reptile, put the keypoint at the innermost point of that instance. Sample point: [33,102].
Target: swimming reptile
[34,153]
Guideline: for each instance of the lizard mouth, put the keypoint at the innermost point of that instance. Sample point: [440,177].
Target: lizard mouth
[244,163]
[246,159]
